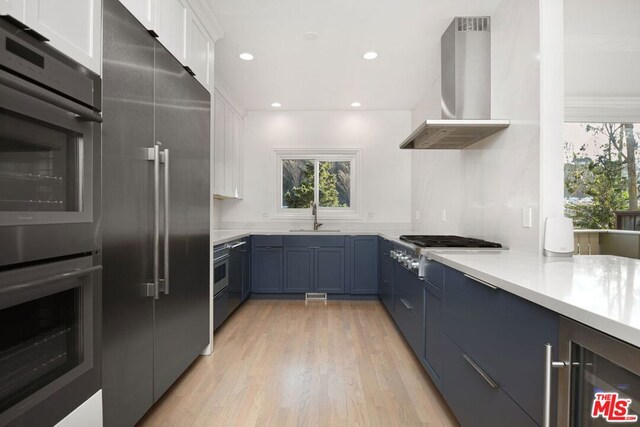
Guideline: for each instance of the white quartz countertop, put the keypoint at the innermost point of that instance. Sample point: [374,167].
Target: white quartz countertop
[601,291]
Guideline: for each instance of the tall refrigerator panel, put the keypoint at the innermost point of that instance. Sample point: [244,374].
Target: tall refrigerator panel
[156,218]
[127,226]
[182,127]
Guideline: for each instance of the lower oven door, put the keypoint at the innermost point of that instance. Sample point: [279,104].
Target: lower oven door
[600,384]
[49,340]
[49,158]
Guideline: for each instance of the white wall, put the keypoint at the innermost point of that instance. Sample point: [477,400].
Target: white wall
[602,51]
[485,187]
[386,170]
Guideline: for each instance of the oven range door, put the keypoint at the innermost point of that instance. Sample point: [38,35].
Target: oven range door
[49,340]
[49,170]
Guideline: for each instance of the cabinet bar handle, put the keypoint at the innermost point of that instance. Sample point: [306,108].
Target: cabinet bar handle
[548,365]
[482,373]
[406,304]
[482,282]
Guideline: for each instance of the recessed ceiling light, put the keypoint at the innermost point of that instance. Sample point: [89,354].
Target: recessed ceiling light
[356,104]
[370,55]
[311,36]
[246,56]
[276,105]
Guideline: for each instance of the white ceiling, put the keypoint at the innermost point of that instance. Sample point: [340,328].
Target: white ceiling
[330,73]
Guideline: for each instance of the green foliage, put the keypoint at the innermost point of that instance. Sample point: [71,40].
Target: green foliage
[329,197]
[603,182]
[301,196]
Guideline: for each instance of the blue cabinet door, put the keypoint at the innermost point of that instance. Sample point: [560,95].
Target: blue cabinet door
[329,270]
[385,273]
[267,270]
[433,331]
[298,269]
[364,265]
[473,400]
[246,269]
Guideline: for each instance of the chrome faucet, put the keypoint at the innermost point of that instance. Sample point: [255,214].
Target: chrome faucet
[314,211]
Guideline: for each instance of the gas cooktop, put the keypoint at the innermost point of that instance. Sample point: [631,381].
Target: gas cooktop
[448,242]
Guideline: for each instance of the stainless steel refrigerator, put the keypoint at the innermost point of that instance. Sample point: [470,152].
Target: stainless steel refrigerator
[155,220]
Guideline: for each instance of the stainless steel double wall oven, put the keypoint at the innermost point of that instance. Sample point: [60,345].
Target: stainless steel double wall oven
[50,286]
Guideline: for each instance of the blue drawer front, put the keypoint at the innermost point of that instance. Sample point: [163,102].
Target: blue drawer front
[314,241]
[274,241]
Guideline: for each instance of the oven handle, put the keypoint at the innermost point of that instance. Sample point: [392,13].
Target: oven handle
[55,278]
[82,113]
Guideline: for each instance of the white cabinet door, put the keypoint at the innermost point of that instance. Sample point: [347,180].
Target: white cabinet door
[229,116]
[74,27]
[15,8]
[199,50]
[171,24]
[143,10]
[218,145]
[237,125]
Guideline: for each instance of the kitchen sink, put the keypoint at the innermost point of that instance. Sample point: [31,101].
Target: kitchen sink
[302,230]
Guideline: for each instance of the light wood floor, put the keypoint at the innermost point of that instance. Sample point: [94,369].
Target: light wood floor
[284,363]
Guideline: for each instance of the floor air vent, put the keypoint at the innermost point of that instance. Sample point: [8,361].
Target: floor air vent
[315,296]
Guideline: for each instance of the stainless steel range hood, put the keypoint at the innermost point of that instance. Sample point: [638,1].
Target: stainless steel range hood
[466,90]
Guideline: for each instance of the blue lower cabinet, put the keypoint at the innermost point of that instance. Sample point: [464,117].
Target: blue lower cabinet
[363,259]
[329,270]
[433,333]
[267,277]
[298,269]
[385,273]
[408,308]
[504,334]
[471,396]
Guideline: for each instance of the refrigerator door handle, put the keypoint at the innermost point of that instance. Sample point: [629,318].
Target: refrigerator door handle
[164,158]
[154,156]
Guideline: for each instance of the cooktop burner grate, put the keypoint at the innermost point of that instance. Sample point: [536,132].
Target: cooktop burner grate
[448,242]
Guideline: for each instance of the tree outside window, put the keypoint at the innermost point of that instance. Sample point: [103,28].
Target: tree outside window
[600,172]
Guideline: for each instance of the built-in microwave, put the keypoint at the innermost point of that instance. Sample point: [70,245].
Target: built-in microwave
[49,151]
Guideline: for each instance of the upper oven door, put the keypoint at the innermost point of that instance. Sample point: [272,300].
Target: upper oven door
[46,156]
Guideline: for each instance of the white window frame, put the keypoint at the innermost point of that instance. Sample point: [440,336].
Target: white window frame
[354,156]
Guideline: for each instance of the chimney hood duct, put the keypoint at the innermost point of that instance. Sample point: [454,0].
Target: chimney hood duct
[466,90]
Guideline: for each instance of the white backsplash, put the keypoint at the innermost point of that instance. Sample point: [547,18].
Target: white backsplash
[485,187]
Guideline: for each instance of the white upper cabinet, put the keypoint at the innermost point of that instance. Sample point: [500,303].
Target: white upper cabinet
[15,8]
[171,24]
[74,27]
[218,145]
[143,10]
[227,148]
[199,50]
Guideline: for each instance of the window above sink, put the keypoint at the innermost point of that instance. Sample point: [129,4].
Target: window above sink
[328,178]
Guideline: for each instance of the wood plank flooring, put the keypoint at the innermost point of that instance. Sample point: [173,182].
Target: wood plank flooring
[284,363]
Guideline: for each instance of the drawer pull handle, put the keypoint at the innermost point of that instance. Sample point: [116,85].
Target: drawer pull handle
[482,282]
[482,373]
[406,304]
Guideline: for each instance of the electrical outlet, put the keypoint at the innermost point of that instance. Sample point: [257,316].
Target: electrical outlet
[417,215]
[371,215]
[444,215]
[526,217]
[265,215]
